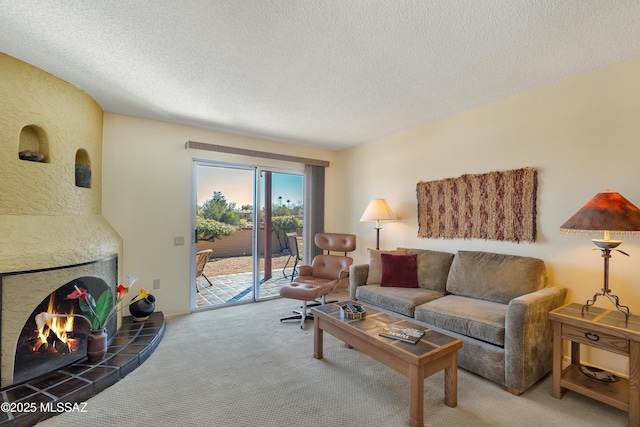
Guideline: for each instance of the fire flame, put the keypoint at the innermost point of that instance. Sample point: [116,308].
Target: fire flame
[58,325]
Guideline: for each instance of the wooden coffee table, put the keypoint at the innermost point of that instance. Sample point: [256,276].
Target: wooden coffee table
[434,352]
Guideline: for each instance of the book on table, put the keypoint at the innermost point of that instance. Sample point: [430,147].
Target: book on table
[410,335]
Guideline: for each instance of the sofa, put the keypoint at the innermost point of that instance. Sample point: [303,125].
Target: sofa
[496,304]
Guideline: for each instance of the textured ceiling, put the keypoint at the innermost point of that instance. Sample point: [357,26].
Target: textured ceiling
[330,74]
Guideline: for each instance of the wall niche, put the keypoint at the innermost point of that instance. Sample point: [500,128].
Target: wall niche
[34,144]
[83,169]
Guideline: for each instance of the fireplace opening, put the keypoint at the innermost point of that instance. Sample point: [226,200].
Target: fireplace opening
[62,340]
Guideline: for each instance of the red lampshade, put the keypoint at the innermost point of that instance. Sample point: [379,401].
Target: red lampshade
[605,212]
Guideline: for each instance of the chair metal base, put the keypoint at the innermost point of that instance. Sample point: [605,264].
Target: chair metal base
[302,314]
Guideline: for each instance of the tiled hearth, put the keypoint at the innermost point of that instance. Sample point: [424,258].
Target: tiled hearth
[75,383]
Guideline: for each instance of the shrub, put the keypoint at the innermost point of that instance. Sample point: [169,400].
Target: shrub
[285,224]
[210,229]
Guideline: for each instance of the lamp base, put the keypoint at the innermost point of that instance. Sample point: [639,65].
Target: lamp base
[605,246]
[606,243]
[613,298]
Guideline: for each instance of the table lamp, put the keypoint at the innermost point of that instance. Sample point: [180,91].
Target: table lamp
[378,210]
[607,213]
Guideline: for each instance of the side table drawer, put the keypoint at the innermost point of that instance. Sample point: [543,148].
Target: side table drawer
[600,340]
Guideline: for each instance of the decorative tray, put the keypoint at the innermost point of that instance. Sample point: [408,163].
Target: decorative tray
[598,374]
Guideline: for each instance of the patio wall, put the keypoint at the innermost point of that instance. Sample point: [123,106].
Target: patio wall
[237,244]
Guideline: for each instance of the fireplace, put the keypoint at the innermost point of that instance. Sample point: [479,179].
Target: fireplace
[52,233]
[29,352]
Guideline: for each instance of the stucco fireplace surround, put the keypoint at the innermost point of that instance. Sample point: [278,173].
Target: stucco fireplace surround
[52,232]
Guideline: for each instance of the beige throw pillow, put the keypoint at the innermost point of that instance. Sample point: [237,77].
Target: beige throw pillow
[375,264]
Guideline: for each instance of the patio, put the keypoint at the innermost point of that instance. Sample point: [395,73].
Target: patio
[231,278]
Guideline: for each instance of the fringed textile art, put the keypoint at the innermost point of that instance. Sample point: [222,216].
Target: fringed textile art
[493,206]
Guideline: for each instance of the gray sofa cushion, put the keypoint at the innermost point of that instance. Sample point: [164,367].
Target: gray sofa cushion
[483,320]
[433,268]
[495,277]
[480,357]
[399,300]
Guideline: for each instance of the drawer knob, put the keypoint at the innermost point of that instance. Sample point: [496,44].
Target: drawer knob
[592,337]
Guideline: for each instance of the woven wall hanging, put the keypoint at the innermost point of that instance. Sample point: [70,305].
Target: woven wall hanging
[492,206]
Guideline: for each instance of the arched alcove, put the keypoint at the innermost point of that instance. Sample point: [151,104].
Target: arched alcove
[33,145]
[83,169]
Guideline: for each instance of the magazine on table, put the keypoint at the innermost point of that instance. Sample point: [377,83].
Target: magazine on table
[409,335]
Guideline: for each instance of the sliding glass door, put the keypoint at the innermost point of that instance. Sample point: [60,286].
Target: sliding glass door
[242,216]
[281,213]
[224,226]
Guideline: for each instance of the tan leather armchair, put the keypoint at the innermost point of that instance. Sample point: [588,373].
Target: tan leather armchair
[326,273]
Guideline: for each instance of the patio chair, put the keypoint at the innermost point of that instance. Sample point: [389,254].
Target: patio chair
[326,273]
[202,257]
[295,252]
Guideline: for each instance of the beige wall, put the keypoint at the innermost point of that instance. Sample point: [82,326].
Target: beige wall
[148,196]
[583,136]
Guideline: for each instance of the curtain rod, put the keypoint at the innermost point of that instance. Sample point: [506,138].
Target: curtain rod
[253,153]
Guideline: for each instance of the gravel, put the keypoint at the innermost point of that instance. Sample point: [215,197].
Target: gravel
[234,265]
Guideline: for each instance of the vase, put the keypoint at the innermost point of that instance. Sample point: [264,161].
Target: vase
[142,308]
[83,176]
[96,345]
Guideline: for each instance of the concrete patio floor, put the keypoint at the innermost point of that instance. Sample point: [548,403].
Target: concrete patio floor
[232,288]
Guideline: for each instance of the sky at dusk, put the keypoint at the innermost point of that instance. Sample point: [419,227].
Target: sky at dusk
[236,185]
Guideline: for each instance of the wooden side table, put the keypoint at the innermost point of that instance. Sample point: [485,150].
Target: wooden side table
[606,330]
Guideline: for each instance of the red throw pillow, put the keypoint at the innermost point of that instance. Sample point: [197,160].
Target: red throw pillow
[399,271]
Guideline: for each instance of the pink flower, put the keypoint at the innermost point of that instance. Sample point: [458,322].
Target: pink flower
[78,293]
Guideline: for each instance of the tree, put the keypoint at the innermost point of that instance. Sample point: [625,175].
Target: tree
[216,208]
[216,218]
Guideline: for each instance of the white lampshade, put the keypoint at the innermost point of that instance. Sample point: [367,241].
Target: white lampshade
[378,210]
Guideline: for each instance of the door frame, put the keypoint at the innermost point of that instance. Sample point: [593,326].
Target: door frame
[257,190]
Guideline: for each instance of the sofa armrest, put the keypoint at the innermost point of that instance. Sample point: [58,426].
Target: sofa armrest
[357,277]
[529,337]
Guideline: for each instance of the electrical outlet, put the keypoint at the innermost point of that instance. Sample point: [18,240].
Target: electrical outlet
[156,283]
[178,241]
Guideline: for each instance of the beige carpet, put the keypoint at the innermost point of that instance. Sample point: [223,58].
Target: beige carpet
[240,366]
